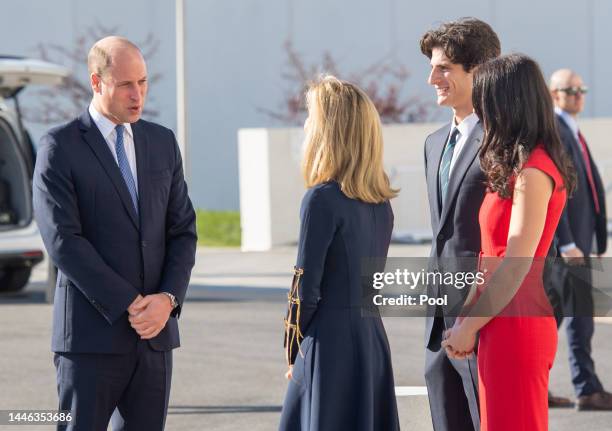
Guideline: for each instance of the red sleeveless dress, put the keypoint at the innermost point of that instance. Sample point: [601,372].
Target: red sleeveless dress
[517,348]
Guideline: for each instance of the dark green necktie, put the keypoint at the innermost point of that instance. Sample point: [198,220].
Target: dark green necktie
[447,157]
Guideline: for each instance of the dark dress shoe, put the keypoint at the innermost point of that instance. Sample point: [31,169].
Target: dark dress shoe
[597,401]
[559,402]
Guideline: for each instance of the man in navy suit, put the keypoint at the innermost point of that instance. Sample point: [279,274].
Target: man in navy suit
[582,222]
[112,207]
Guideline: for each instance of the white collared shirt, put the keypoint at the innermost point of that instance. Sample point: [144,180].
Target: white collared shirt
[107,129]
[571,123]
[465,129]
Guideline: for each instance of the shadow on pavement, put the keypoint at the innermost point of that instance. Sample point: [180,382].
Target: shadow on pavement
[34,293]
[245,274]
[211,293]
[206,410]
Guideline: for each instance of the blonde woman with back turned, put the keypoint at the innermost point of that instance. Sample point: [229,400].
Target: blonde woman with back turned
[340,374]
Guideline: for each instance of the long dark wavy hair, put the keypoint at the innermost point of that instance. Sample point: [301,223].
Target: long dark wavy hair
[512,100]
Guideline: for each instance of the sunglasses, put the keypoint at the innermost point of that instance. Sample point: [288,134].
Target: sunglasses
[572,91]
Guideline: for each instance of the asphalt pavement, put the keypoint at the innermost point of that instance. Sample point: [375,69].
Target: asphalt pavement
[228,374]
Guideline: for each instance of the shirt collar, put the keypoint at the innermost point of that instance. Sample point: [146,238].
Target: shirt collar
[466,126]
[105,125]
[569,120]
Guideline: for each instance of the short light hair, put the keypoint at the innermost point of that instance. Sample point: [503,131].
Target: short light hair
[344,141]
[561,78]
[100,56]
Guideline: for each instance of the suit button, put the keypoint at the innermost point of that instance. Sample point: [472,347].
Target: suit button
[440,237]
[141,276]
[143,244]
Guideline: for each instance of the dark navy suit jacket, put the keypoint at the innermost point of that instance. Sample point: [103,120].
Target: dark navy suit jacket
[106,254]
[579,220]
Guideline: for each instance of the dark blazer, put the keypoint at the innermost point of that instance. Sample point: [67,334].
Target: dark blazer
[456,232]
[106,255]
[579,220]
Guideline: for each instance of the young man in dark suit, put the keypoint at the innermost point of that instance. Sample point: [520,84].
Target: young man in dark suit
[456,189]
[112,207]
[583,221]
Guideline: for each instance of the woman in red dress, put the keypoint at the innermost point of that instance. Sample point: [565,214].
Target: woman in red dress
[529,178]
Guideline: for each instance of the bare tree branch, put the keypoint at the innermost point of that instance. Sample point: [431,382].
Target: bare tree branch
[384,81]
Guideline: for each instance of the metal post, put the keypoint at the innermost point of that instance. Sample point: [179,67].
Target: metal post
[181,85]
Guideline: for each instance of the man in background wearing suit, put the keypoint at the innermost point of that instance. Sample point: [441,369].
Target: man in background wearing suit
[583,220]
[112,206]
[455,184]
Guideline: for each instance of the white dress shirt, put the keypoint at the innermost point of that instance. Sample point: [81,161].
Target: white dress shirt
[571,123]
[465,128]
[107,129]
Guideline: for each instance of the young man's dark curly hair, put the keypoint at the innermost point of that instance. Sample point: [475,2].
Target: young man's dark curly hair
[467,41]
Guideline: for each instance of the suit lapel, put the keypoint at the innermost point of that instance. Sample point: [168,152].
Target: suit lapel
[462,164]
[575,147]
[577,157]
[96,142]
[142,160]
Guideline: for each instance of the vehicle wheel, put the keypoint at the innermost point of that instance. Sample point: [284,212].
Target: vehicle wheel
[51,280]
[14,279]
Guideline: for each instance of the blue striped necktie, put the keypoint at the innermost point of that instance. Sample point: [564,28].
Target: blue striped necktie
[447,157]
[124,166]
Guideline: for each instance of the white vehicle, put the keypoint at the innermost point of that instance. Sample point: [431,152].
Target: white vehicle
[20,244]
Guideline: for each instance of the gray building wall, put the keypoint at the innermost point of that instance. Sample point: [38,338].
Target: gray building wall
[235,54]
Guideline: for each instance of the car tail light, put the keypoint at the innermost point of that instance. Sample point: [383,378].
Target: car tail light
[34,254]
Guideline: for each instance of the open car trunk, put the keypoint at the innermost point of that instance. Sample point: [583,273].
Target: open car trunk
[16,151]
[20,250]
[15,182]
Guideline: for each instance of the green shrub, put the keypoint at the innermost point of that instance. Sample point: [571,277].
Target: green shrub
[218,228]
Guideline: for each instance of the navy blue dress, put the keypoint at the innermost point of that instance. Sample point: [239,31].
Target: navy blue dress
[342,374]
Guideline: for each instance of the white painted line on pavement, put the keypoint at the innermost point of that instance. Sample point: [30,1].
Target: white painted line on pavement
[607,320]
[410,391]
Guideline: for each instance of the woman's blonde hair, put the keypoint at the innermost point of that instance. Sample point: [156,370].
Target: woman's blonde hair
[344,141]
